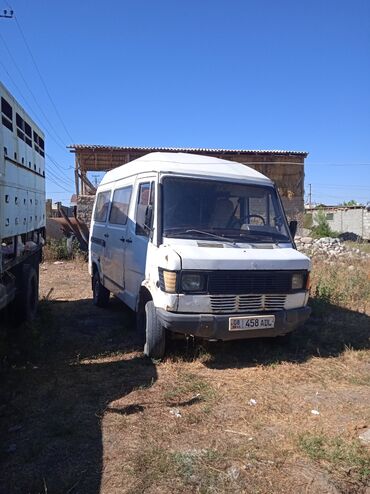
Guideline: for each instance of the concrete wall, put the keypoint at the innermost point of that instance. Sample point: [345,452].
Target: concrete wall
[348,220]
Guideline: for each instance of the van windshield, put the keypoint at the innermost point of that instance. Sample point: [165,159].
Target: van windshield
[197,208]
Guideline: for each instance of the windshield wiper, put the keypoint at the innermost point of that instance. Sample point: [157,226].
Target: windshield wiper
[212,235]
[179,232]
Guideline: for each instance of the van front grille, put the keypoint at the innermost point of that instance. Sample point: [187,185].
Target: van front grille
[247,303]
[251,282]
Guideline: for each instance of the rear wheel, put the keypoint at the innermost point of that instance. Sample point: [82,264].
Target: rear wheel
[31,293]
[155,345]
[100,293]
[24,306]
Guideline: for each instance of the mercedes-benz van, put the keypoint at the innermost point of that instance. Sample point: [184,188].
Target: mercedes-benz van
[197,246]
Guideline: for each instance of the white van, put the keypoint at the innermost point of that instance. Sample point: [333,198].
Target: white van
[198,246]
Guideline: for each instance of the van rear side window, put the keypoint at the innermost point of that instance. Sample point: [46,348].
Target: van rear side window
[102,204]
[120,204]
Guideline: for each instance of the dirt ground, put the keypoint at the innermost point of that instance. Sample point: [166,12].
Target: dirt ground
[85,412]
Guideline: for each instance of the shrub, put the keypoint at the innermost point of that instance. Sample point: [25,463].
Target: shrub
[307,221]
[322,228]
[57,250]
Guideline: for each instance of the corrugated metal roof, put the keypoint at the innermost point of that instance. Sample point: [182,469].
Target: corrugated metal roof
[91,147]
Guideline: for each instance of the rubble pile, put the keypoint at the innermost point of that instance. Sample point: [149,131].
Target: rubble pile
[328,248]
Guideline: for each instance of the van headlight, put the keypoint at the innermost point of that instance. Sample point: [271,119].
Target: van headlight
[298,281]
[192,282]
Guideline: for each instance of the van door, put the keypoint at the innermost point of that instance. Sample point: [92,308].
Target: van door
[99,228]
[138,236]
[116,239]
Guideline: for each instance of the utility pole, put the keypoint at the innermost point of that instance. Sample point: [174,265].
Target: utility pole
[7,14]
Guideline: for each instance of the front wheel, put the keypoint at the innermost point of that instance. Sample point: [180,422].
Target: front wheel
[155,345]
[100,293]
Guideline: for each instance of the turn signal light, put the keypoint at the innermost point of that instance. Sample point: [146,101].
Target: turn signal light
[170,281]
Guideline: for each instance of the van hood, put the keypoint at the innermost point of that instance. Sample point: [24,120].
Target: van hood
[204,255]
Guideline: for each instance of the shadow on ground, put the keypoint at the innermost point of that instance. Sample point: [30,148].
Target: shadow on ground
[76,359]
[329,332]
[51,410]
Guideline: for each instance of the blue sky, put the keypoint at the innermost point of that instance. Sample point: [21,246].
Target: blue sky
[250,74]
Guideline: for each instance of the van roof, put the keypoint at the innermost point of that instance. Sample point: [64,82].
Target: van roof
[186,164]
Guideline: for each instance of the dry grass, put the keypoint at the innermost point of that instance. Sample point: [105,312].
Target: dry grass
[362,246]
[342,283]
[90,414]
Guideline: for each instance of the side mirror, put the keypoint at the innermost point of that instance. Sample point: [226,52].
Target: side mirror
[293,227]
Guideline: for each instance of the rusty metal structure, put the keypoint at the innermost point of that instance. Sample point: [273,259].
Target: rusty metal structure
[285,168]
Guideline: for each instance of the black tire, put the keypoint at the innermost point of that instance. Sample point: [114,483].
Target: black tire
[100,293]
[140,316]
[24,306]
[155,345]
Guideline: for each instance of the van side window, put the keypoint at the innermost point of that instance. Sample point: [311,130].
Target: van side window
[101,208]
[120,203]
[144,209]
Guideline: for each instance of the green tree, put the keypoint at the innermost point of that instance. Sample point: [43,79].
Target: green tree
[322,227]
[352,202]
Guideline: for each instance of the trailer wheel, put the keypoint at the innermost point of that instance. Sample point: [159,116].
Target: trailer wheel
[155,344]
[100,293]
[24,307]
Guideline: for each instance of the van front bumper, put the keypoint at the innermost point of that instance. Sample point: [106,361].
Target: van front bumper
[216,326]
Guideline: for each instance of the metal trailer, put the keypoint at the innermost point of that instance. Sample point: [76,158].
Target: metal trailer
[22,207]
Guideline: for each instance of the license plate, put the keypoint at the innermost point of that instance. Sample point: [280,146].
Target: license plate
[251,322]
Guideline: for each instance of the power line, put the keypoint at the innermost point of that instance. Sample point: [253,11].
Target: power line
[30,91]
[58,164]
[339,197]
[55,192]
[64,180]
[64,183]
[334,164]
[27,104]
[56,180]
[21,94]
[42,79]
[340,185]
[67,181]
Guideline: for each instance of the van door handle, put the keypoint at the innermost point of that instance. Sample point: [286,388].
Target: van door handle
[129,240]
[106,235]
[122,239]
